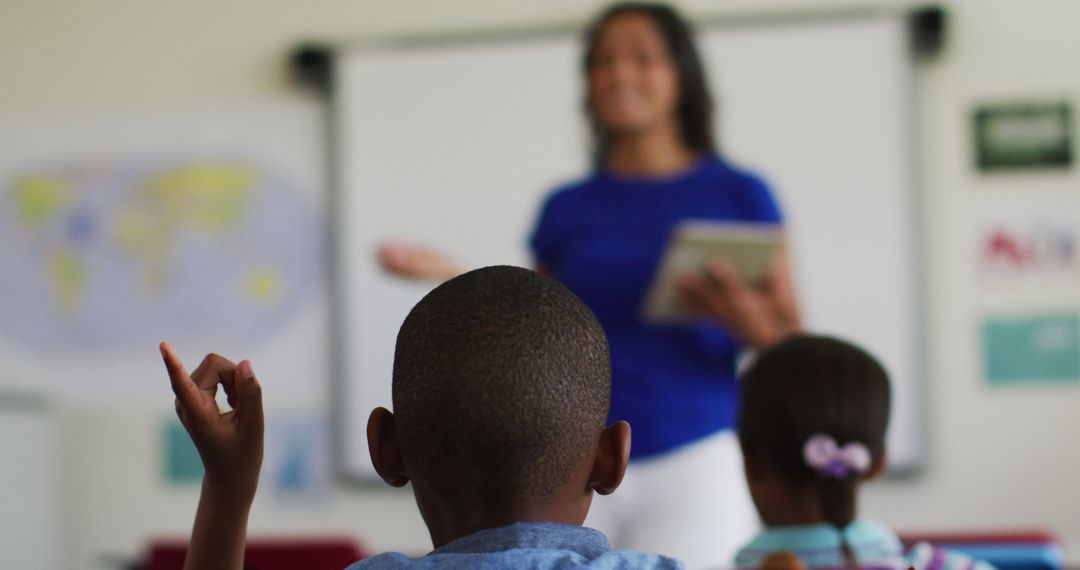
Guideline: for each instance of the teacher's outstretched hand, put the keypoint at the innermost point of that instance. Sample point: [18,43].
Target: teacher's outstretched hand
[416,261]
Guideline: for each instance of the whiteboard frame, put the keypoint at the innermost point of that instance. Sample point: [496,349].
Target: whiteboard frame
[487,36]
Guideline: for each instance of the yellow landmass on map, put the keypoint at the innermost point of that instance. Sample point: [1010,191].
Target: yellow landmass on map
[133,227]
[209,196]
[144,233]
[69,277]
[38,198]
[263,286]
[205,197]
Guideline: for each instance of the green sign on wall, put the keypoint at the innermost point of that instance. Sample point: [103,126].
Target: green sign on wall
[1024,135]
[1032,348]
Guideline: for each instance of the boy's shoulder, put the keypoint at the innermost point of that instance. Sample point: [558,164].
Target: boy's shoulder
[613,560]
[525,545]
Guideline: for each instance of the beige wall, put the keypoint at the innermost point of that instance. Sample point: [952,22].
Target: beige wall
[1001,457]
[122,53]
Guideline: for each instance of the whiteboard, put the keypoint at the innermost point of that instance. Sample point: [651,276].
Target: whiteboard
[455,144]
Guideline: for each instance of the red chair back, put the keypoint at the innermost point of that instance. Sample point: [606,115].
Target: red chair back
[270,554]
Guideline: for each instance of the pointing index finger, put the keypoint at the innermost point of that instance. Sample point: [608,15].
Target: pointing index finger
[182,385]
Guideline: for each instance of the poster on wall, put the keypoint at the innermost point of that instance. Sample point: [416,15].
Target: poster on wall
[202,227]
[1023,136]
[296,464]
[297,468]
[1033,348]
[1023,247]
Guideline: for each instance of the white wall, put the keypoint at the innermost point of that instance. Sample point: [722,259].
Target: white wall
[28,483]
[999,457]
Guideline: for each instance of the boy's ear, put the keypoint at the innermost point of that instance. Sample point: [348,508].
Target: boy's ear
[612,456]
[385,448]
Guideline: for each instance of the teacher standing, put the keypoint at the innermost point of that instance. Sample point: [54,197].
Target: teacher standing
[655,165]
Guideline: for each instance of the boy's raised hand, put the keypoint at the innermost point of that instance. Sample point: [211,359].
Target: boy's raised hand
[230,443]
[231,447]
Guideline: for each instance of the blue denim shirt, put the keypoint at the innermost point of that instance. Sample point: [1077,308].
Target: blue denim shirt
[525,546]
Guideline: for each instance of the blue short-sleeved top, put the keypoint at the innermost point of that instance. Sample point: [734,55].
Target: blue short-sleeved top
[603,238]
[872,545]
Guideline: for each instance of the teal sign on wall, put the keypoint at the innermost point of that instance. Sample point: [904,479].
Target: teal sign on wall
[1032,348]
[180,460]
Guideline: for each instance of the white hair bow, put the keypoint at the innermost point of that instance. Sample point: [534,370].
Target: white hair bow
[822,454]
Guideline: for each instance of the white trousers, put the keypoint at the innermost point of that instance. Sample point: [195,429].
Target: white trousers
[691,504]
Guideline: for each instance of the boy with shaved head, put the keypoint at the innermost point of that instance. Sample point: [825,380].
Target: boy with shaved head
[501,387]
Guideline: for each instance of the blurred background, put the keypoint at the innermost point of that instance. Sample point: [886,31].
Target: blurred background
[163,175]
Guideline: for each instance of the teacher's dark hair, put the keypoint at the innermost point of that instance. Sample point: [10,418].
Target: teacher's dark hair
[694,108]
